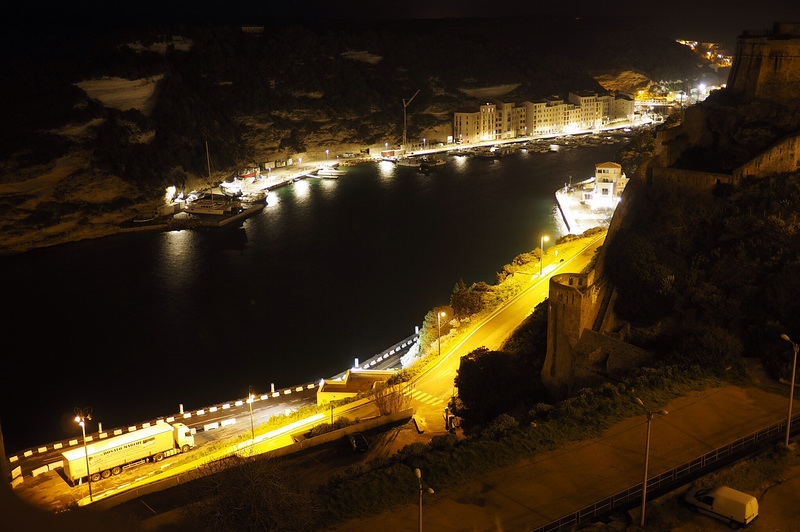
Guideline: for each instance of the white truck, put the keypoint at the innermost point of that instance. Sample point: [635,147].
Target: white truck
[108,457]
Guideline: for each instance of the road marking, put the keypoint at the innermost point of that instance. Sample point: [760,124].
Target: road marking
[423,397]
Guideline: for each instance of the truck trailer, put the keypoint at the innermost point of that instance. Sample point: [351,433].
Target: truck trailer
[108,457]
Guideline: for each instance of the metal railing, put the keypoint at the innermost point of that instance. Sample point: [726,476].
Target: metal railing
[668,480]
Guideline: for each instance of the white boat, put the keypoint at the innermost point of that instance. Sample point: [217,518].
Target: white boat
[408,161]
[330,171]
[212,207]
[429,161]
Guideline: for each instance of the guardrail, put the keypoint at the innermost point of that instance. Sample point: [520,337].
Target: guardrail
[675,477]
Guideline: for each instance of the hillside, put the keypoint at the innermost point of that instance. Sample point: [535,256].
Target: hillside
[124,114]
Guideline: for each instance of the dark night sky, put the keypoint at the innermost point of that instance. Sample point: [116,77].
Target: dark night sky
[710,20]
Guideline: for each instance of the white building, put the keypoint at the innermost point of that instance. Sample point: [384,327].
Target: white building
[585,110]
[609,183]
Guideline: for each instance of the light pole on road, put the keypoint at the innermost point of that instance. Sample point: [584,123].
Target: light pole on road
[250,398]
[650,415]
[439,316]
[81,418]
[418,474]
[541,259]
[791,390]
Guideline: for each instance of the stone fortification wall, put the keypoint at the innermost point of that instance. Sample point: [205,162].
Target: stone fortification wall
[767,64]
[663,178]
[780,158]
[571,307]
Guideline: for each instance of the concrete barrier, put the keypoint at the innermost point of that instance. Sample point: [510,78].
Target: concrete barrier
[226,406]
[17,471]
[58,445]
[287,392]
[55,465]
[39,470]
[211,426]
[276,394]
[131,429]
[117,432]
[299,389]
[145,425]
[187,415]
[265,397]
[103,435]
[238,403]
[201,412]
[73,442]
[229,421]
[170,419]
[13,459]
[41,450]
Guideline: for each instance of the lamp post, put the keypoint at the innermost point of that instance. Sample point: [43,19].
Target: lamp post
[650,415]
[418,474]
[81,417]
[541,261]
[326,155]
[791,390]
[439,316]
[250,398]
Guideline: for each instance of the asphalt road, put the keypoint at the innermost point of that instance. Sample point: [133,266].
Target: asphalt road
[434,388]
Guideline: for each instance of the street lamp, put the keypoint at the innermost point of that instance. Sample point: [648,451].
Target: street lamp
[423,142]
[439,316]
[81,417]
[541,260]
[791,390]
[326,155]
[250,398]
[650,415]
[418,474]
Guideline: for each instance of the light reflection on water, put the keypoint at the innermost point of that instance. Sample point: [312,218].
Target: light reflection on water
[329,271]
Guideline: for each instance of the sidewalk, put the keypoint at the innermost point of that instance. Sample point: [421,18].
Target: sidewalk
[538,491]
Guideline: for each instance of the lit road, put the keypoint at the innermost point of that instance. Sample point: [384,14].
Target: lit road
[435,387]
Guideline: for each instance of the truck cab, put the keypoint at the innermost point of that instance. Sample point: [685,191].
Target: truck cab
[184,439]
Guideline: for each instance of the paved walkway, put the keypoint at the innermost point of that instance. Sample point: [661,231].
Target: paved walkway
[538,491]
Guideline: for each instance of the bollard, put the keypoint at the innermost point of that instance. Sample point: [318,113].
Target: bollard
[181,407]
[356,364]
[272,387]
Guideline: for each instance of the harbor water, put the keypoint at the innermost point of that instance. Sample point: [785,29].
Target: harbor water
[331,270]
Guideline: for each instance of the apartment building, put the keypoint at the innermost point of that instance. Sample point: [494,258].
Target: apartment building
[550,116]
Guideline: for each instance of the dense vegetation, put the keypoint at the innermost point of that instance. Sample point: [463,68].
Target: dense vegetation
[718,274]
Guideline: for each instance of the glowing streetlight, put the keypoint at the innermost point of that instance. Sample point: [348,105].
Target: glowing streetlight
[650,415]
[81,418]
[418,474]
[791,390]
[439,316]
[541,260]
[326,155]
[250,398]
[423,142]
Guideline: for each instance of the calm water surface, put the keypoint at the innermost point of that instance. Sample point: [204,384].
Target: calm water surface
[331,270]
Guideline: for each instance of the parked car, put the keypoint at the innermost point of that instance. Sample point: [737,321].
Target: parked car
[724,503]
[358,442]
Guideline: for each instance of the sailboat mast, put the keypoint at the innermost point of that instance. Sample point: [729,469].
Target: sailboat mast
[208,162]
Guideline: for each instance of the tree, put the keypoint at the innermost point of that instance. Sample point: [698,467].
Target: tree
[491,383]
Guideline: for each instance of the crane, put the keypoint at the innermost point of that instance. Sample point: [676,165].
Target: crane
[406,104]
